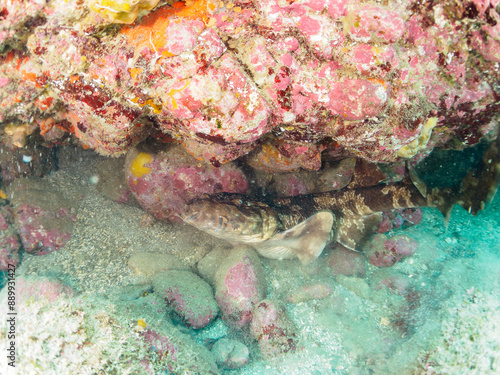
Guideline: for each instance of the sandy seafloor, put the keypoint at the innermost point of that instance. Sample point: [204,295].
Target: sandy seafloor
[454,328]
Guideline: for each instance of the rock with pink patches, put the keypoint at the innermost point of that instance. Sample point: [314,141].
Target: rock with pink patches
[216,154]
[163,178]
[412,216]
[101,121]
[371,23]
[343,261]
[273,329]
[385,252]
[207,49]
[401,244]
[239,286]
[357,77]
[177,352]
[50,289]
[188,295]
[44,215]
[355,99]
[219,106]
[378,255]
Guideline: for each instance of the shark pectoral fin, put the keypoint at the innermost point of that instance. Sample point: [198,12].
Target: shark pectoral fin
[355,230]
[306,240]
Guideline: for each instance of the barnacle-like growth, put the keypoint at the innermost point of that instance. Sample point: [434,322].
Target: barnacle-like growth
[15,135]
[121,11]
[418,144]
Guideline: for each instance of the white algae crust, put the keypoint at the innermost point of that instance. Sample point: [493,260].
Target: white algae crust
[83,310]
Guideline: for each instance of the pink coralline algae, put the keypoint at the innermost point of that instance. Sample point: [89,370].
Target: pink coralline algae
[164,179]
[396,218]
[273,329]
[38,234]
[44,216]
[292,80]
[239,286]
[385,252]
[46,288]
[9,240]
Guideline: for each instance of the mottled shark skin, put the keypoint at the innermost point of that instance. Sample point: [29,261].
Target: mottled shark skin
[301,226]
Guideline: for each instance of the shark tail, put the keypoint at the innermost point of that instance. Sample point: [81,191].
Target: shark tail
[473,192]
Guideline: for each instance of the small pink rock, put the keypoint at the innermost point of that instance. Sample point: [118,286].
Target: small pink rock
[44,215]
[402,244]
[163,178]
[239,285]
[42,231]
[189,295]
[397,218]
[385,252]
[176,353]
[343,261]
[273,329]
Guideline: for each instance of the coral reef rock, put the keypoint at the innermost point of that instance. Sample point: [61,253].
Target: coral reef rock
[289,80]
[164,179]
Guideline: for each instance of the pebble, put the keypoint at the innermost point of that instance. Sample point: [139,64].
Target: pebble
[230,354]
[189,295]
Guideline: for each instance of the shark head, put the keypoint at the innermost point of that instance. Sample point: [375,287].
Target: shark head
[256,224]
[233,221]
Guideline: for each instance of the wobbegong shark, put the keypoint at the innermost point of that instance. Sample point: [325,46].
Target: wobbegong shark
[302,226]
